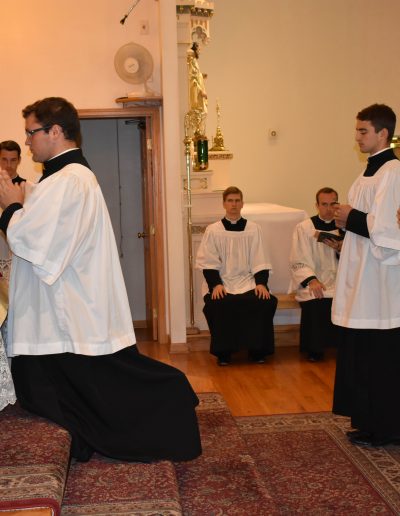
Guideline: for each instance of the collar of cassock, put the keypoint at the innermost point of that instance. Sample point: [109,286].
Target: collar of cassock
[323,225]
[238,225]
[59,162]
[375,162]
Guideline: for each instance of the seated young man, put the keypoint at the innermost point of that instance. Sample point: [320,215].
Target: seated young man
[238,305]
[313,264]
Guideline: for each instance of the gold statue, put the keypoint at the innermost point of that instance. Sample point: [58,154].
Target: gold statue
[197,92]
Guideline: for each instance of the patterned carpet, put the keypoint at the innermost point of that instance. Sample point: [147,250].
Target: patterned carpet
[309,466]
[104,486]
[304,462]
[251,466]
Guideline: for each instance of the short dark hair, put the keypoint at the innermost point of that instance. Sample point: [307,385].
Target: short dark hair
[232,190]
[10,145]
[57,111]
[327,190]
[380,116]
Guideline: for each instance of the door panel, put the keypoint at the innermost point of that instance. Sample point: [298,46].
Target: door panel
[113,149]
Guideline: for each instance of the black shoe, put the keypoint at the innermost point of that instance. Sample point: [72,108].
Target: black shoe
[315,357]
[366,439]
[260,360]
[360,437]
[223,360]
[357,433]
[257,358]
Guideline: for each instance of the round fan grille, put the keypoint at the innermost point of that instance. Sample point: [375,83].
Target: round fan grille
[133,63]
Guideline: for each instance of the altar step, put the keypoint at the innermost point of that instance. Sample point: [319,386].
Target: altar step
[37,480]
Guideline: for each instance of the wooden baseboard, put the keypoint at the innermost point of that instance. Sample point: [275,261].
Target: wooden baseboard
[140,324]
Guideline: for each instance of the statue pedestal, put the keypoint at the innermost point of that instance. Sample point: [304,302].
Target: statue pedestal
[220,162]
[216,178]
[200,182]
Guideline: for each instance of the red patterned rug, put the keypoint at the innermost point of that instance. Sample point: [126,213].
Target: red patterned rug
[265,465]
[105,486]
[250,466]
[309,466]
[225,479]
[304,465]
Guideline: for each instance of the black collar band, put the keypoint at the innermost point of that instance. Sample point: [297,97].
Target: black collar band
[59,162]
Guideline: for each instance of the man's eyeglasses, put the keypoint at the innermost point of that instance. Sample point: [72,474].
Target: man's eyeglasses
[30,132]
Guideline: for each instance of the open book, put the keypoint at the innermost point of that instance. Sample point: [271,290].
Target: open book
[324,235]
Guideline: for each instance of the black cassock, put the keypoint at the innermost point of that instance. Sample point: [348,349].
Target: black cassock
[241,321]
[124,405]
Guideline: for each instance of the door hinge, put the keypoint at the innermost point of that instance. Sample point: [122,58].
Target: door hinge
[155,314]
[149,144]
[152,229]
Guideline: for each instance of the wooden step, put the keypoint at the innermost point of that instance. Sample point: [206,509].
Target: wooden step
[106,486]
[34,461]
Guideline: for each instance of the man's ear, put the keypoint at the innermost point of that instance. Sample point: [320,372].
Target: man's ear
[56,130]
[385,134]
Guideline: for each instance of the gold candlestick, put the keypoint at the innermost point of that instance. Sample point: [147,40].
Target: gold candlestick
[218,141]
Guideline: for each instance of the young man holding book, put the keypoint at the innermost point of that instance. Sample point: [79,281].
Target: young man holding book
[313,262]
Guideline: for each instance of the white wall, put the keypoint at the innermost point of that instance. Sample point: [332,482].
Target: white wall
[172,151]
[67,48]
[56,48]
[303,68]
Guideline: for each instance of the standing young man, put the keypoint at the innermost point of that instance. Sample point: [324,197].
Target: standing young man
[70,327]
[238,305]
[366,303]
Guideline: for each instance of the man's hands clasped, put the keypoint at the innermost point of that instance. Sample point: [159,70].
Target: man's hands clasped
[10,193]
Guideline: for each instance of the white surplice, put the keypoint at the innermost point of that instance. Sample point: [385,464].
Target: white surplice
[67,292]
[308,257]
[368,278]
[237,255]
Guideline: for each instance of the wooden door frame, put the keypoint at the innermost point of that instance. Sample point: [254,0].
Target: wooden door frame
[151,114]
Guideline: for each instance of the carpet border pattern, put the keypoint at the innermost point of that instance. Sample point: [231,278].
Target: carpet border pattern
[378,465]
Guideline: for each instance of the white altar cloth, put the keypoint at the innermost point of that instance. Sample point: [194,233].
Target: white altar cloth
[277,225]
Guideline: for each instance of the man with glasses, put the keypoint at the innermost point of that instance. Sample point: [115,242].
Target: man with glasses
[70,327]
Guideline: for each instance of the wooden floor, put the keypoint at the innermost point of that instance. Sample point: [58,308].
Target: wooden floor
[286,383]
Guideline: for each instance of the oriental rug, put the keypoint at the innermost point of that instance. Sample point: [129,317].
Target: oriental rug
[264,465]
[105,486]
[309,466]
[304,464]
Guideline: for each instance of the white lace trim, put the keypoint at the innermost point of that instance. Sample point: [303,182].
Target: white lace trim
[5,266]
[7,392]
